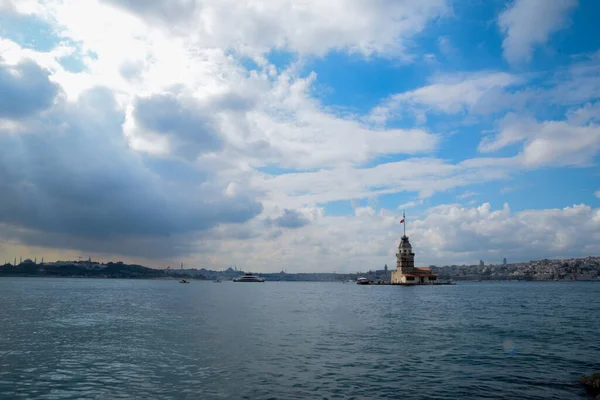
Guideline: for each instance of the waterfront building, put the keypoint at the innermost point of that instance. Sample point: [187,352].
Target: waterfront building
[406,272]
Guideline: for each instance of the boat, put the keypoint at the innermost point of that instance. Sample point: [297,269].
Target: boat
[248,277]
[362,281]
[218,280]
[184,281]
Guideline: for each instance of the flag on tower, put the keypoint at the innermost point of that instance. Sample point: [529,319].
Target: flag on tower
[402,221]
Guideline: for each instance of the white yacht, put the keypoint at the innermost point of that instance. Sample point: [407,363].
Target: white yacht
[248,277]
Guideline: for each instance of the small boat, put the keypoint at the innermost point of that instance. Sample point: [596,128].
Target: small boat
[218,280]
[248,277]
[184,281]
[362,281]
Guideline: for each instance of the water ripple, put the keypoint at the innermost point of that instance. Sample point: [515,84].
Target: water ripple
[99,339]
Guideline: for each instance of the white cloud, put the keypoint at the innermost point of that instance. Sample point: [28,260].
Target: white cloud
[467,194]
[269,116]
[443,235]
[597,193]
[448,234]
[477,94]
[20,6]
[529,23]
[482,233]
[449,94]
[508,189]
[265,116]
[282,125]
[424,176]
[547,142]
[308,27]
[446,46]
[590,112]
[410,204]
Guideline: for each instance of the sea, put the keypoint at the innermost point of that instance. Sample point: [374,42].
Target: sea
[64,338]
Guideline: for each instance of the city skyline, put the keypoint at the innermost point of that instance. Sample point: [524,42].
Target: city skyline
[215,133]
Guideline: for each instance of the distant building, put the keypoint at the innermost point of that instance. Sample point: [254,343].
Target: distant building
[481,263]
[406,272]
[504,261]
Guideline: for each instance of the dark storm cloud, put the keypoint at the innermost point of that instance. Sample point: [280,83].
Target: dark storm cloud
[148,247]
[291,219]
[190,131]
[74,175]
[24,90]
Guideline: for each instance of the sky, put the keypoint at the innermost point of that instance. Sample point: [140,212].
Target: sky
[294,134]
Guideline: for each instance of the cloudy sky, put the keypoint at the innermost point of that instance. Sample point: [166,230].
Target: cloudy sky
[292,133]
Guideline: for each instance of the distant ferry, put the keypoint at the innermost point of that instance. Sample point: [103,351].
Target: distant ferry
[248,277]
[362,281]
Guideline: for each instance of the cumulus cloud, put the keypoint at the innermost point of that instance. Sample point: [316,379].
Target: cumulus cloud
[590,112]
[174,143]
[291,219]
[425,176]
[310,27]
[484,93]
[482,232]
[547,142]
[529,23]
[72,174]
[450,94]
[467,194]
[442,235]
[190,130]
[270,122]
[25,89]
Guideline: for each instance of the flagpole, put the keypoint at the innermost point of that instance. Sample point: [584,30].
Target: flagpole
[404,219]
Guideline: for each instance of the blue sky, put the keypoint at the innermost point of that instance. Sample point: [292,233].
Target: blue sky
[218,133]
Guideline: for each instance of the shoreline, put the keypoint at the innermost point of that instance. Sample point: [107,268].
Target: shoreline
[293,281]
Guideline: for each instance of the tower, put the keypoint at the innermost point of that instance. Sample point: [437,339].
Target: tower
[405,258]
